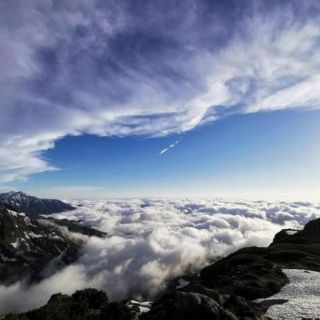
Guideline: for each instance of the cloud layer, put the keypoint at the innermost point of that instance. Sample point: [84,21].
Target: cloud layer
[152,241]
[153,68]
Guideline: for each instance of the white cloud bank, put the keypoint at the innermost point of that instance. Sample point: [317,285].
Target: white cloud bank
[98,68]
[152,241]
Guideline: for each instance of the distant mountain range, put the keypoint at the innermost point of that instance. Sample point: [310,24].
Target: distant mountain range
[22,202]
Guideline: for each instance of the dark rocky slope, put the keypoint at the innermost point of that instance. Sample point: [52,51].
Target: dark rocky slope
[34,246]
[256,272]
[223,290]
[88,304]
[22,202]
[76,227]
[28,246]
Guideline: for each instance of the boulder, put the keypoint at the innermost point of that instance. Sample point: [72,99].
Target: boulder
[245,273]
[187,306]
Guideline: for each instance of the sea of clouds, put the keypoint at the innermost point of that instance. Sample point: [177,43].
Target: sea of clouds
[151,241]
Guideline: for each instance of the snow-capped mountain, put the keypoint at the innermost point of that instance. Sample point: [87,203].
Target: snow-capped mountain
[29,248]
[22,202]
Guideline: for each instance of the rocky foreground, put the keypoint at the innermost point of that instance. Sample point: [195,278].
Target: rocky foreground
[227,289]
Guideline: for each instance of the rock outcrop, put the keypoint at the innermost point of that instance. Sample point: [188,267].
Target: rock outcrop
[76,227]
[31,249]
[187,306]
[87,304]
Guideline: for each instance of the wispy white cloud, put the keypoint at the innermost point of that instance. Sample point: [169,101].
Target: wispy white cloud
[168,148]
[83,67]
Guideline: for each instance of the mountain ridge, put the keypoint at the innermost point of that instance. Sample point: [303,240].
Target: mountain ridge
[28,246]
[30,243]
[32,205]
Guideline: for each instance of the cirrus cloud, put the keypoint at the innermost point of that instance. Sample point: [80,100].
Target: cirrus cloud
[99,68]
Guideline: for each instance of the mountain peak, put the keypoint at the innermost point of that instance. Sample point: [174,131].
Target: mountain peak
[14,193]
[23,202]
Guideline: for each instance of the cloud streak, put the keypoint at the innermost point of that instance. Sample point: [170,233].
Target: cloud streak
[98,68]
[168,148]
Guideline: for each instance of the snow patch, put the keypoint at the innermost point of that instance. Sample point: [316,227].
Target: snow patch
[303,293]
[27,221]
[144,306]
[35,235]
[55,236]
[182,283]
[13,213]
[6,259]
[291,232]
[15,244]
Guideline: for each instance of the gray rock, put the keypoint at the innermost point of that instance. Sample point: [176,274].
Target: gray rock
[187,306]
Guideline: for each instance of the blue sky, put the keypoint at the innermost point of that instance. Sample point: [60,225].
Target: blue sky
[266,155]
[94,93]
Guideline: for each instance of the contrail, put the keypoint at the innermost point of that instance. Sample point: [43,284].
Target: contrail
[168,148]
